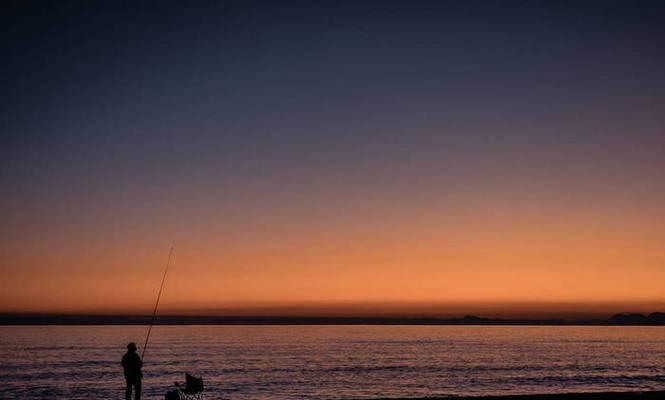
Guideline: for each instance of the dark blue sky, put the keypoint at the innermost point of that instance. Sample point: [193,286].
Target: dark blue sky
[146,85]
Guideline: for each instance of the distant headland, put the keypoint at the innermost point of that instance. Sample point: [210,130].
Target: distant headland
[653,319]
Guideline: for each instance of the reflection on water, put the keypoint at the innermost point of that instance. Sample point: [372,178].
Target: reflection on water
[331,362]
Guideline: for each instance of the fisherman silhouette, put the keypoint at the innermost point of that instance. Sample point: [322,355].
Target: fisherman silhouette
[131,362]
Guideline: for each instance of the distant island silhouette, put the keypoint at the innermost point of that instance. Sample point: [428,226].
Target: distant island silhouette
[654,319]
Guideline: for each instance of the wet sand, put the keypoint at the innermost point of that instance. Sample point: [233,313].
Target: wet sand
[652,395]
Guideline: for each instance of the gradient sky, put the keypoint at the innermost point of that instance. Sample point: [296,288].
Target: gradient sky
[439,157]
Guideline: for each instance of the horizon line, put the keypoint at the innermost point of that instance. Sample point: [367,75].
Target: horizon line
[653,318]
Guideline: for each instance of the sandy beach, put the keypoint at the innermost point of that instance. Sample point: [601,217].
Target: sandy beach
[649,395]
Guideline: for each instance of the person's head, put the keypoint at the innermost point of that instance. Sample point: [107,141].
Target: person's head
[131,347]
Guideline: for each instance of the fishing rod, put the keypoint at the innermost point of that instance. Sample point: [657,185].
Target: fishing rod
[159,295]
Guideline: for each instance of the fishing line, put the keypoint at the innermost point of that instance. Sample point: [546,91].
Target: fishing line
[159,295]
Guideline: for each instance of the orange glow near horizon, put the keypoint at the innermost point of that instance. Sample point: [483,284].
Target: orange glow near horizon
[404,258]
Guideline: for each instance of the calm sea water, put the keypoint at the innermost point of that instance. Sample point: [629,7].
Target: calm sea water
[333,362]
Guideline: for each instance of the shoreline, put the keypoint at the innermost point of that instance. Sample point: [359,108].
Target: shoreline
[631,395]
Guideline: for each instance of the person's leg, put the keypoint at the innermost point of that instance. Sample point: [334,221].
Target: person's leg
[137,390]
[128,391]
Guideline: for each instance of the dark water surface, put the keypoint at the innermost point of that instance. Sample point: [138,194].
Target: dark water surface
[332,362]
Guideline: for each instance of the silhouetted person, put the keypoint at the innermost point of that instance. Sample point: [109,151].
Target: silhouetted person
[131,362]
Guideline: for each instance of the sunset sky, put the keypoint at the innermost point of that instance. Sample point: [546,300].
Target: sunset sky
[434,158]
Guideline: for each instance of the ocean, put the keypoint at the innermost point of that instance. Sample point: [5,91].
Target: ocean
[332,362]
